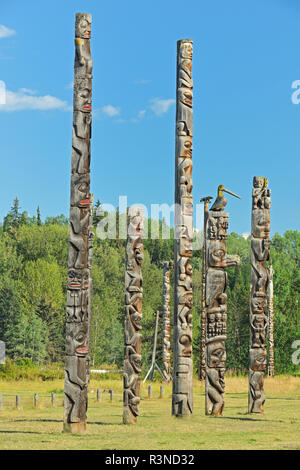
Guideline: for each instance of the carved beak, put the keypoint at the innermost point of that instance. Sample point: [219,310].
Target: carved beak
[230,192]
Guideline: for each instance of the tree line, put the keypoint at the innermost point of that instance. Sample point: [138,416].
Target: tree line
[33,277]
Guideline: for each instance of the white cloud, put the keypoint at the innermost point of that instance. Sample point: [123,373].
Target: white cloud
[27,91]
[159,106]
[245,235]
[23,99]
[110,110]
[5,32]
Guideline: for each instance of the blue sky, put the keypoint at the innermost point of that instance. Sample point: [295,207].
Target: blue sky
[246,57]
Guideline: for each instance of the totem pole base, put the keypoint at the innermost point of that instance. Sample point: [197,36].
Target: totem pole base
[128,418]
[184,416]
[75,428]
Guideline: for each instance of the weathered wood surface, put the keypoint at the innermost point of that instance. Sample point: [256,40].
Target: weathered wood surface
[166,322]
[133,315]
[216,309]
[182,393]
[77,321]
[260,253]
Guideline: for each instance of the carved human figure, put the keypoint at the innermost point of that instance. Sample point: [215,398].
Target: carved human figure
[216,308]
[260,254]
[182,400]
[133,315]
[166,321]
[79,254]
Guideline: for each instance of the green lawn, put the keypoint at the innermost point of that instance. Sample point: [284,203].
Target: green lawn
[41,428]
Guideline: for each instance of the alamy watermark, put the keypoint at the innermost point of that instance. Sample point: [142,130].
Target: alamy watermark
[2,92]
[296,354]
[157,222]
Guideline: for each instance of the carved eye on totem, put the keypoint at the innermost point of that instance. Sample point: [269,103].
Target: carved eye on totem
[85,29]
[258,359]
[81,342]
[83,100]
[185,146]
[218,255]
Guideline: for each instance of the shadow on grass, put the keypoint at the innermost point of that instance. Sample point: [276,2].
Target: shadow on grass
[280,398]
[101,423]
[20,432]
[37,420]
[245,418]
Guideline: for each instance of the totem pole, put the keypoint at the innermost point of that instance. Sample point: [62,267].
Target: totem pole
[166,322]
[133,315]
[271,324]
[182,395]
[202,367]
[77,321]
[90,257]
[216,302]
[260,253]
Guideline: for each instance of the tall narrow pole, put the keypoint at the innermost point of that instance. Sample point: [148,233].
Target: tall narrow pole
[77,321]
[154,345]
[182,395]
[166,322]
[271,324]
[216,308]
[202,369]
[133,315]
[90,257]
[260,253]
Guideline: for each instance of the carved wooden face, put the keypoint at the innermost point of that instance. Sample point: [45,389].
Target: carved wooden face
[216,354]
[78,279]
[258,305]
[186,50]
[83,26]
[135,361]
[77,339]
[83,96]
[260,223]
[259,322]
[80,187]
[258,182]
[185,146]
[188,268]
[258,359]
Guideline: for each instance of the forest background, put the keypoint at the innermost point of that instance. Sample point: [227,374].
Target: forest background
[33,278]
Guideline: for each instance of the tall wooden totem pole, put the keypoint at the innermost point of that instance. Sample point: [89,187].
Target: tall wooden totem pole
[77,321]
[271,324]
[202,367]
[133,315]
[260,253]
[182,396]
[166,322]
[216,302]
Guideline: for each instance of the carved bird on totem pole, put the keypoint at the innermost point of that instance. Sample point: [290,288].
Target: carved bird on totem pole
[221,201]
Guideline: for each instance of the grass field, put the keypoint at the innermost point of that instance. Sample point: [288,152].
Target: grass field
[41,428]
